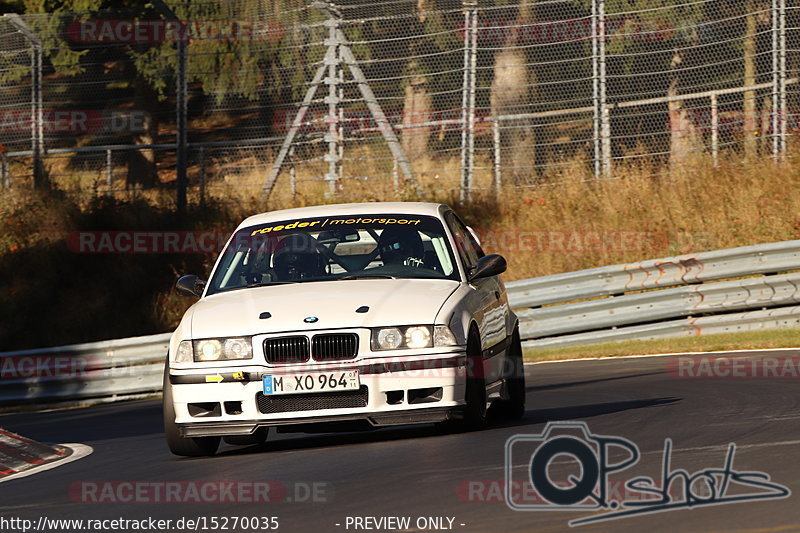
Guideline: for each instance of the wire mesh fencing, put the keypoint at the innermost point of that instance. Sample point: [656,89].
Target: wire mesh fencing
[293,97]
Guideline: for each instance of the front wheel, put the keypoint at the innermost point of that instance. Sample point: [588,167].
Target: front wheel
[475,411]
[513,406]
[179,445]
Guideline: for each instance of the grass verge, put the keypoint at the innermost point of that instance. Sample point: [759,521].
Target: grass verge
[756,340]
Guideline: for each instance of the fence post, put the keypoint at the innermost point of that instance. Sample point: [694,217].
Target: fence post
[498,176]
[473,65]
[202,157]
[605,119]
[39,179]
[37,112]
[775,126]
[181,90]
[596,89]
[332,80]
[292,176]
[714,129]
[181,134]
[602,119]
[4,171]
[109,172]
[782,107]
[468,99]
[778,126]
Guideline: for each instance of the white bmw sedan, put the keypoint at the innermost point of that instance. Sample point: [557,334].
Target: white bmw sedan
[343,317]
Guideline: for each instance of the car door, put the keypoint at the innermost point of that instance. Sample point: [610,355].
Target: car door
[486,301]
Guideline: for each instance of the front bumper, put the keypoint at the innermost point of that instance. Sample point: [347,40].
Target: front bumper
[414,389]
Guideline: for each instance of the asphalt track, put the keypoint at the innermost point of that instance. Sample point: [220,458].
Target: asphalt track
[421,471]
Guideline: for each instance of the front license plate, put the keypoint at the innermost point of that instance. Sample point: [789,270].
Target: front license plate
[311,382]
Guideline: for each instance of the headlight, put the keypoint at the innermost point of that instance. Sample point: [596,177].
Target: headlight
[408,337]
[218,350]
[387,339]
[418,337]
[237,349]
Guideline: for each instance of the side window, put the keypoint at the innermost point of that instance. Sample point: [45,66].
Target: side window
[468,250]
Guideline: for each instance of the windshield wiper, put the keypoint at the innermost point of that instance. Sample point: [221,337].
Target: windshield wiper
[367,276]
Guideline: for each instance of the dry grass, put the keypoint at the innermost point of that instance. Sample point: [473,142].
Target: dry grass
[568,222]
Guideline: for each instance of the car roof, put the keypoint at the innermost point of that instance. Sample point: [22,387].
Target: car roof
[367,208]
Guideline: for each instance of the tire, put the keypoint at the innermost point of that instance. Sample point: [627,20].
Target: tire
[179,445]
[259,436]
[513,407]
[475,412]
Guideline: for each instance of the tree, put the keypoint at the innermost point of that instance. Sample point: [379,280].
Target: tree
[222,65]
[514,85]
[417,101]
[651,44]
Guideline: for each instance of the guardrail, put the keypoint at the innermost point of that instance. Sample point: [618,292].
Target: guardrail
[677,296]
[674,296]
[90,372]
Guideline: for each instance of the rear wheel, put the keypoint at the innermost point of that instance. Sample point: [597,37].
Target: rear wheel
[179,445]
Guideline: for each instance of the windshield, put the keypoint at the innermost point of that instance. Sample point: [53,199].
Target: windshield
[333,248]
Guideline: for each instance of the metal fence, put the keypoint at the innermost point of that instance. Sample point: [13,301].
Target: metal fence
[434,94]
[662,298]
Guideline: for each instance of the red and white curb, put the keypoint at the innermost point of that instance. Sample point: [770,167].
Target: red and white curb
[20,456]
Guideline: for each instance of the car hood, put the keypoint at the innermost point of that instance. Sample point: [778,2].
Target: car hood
[333,303]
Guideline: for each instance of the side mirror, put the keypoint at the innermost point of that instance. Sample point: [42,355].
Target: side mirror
[488,266]
[190,285]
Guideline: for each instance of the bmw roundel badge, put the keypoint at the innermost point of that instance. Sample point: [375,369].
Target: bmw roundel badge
[310,319]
